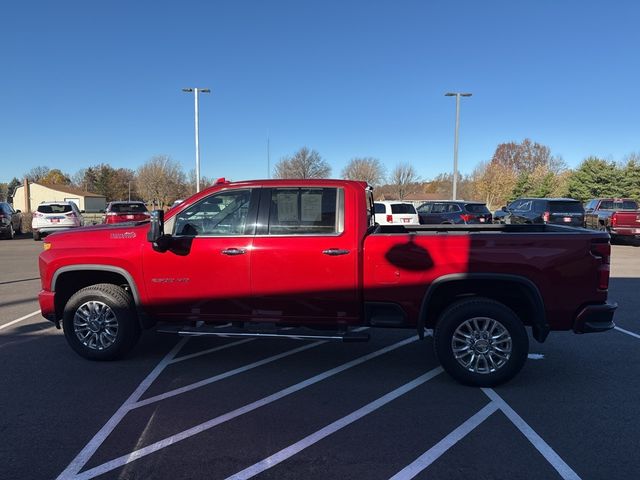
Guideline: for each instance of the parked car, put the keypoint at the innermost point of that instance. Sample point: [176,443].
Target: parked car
[118,212]
[618,216]
[499,215]
[453,211]
[10,220]
[395,212]
[563,211]
[52,217]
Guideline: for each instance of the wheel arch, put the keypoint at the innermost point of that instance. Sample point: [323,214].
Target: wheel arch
[68,280]
[516,292]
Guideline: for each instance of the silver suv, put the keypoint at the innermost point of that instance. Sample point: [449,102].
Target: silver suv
[53,217]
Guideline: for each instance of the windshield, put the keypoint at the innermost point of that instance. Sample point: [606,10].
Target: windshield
[403,208]
[618,205]
[569,207]
[128,208]
[477,208]
[54,208]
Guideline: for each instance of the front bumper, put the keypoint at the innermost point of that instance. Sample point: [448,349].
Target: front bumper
[595,318]
[48,305]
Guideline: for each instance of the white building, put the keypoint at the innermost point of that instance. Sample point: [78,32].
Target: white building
[29,195]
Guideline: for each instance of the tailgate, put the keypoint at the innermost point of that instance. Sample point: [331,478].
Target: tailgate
[628,219]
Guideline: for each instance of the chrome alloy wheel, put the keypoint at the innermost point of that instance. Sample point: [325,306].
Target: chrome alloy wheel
[481,345]
[95,325]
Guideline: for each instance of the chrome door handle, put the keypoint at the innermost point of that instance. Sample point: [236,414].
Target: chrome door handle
[335,251]
[234,251]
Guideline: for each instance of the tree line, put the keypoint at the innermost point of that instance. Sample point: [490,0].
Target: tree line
[160,181]
[516,169]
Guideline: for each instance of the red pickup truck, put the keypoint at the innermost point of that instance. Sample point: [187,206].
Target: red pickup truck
[617,216]
[304,258]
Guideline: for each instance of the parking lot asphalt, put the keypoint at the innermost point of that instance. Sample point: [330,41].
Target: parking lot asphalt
[280,409]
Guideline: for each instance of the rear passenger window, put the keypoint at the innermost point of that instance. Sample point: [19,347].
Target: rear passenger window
[305,211]
[438,208]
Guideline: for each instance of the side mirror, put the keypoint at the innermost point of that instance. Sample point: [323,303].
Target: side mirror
[18,211]
[156,229]
[504,209]
[81,211]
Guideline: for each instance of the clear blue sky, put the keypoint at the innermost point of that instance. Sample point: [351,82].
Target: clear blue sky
[91,82]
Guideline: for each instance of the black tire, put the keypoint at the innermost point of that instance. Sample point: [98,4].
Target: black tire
[36,236]
[12,233]
[120,313]
[488,313]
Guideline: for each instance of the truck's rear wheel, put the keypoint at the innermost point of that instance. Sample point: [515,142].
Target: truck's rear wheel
[100,322]
[481,342]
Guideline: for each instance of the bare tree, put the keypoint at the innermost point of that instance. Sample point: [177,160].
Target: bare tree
[36,173]
[160,180]
[191,182]
[367,169]
[403,179]
[305,163]
[526,156]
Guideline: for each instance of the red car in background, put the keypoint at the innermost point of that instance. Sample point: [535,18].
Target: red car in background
[119,212]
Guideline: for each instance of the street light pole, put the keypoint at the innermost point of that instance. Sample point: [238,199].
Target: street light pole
[455,143]
[195,105]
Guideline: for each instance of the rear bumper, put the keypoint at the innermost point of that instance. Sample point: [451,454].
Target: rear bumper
[48,305]
[625,231]
[595,318]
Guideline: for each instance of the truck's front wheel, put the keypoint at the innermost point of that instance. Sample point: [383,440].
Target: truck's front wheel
[100,322]
[481,342]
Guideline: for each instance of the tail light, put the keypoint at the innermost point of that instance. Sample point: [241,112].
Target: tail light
[71,214]
[602,251]
[389,218]
[614,219]
[545,217]
[111,214]
[466,217]
[37,214]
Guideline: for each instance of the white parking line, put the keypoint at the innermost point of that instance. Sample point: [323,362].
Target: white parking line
[210,350]
[627,332]
[17,320]
[565,471]
[435,452]
[98,439]
[159,445]
[222,376]
[315,437]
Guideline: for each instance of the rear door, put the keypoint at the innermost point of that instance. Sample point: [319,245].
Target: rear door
[304,258]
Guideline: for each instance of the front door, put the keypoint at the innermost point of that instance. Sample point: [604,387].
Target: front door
[304,258]
[205,272]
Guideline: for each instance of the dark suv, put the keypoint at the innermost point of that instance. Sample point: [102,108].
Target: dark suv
[10,220]
[563,211]
[453,211]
